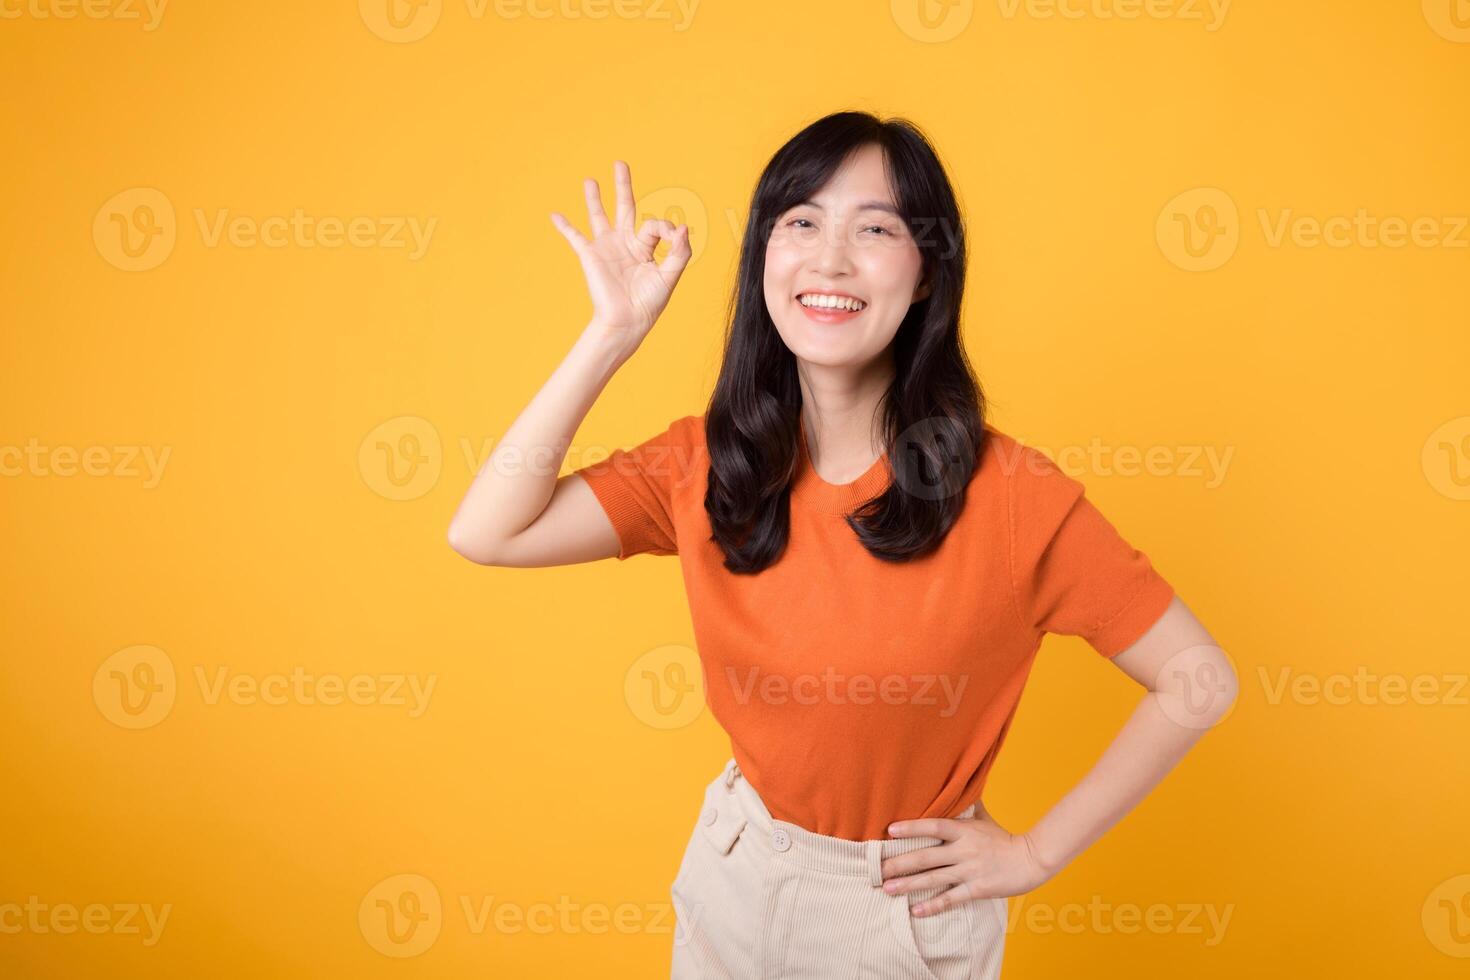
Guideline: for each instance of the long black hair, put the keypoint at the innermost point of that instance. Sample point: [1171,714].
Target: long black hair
[933,412]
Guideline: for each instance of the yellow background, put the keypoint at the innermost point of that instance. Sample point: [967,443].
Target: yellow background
[1332,834]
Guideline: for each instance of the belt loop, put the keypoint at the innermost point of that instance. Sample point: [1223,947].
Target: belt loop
[730,775]
[875,862]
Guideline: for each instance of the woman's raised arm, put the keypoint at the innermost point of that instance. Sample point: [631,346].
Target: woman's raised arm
[516,511]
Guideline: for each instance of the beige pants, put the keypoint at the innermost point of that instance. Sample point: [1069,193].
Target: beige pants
[757,897]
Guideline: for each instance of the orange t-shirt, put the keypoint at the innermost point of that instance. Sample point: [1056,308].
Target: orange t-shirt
[856,691]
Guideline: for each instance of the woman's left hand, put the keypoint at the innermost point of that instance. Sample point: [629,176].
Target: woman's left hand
[979,858]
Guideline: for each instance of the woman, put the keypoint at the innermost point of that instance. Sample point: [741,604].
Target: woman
[870,568]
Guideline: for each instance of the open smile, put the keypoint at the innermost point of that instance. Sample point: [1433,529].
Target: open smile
[830,307]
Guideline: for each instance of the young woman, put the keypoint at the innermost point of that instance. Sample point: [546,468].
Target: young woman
[870,568]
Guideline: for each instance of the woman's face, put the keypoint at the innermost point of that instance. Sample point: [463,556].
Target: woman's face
[847,241]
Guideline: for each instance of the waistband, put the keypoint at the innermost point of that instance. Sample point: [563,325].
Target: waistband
[834,855]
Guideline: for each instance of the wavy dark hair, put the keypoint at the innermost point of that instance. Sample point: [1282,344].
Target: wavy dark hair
[932,412]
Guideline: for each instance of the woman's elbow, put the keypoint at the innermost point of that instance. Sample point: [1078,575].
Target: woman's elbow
[469,545]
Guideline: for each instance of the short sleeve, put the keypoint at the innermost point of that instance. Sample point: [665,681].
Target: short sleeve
[636,488]
[1072,572]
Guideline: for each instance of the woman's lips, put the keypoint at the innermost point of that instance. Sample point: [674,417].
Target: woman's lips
[829,316]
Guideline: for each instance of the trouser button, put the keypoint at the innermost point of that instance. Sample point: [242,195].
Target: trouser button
[780,840]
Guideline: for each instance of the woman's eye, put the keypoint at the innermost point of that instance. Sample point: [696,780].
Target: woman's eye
[879,228]
[795,220]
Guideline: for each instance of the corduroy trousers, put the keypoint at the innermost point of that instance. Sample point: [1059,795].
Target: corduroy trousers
[757,898]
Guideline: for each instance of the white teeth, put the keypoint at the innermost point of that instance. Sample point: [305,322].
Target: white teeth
[822,301]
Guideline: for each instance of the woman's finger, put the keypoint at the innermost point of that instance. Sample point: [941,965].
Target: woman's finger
[942,827]
[933,856]
[569,232]
[961,892]
[907,883]
[651,231]
[627,209]
[594,207]
[679,251]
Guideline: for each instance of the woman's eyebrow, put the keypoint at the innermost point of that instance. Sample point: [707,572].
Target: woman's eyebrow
[865,206]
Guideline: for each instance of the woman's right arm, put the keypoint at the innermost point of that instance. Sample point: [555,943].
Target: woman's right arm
[517,512]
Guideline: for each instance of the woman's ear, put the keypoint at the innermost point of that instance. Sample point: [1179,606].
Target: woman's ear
[922,292]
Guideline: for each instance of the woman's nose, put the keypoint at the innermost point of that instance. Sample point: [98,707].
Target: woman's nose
[832,254]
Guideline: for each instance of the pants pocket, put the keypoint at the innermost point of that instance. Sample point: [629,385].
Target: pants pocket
[939,945]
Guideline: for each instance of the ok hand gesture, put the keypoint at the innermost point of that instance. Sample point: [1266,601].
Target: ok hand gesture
[628,289]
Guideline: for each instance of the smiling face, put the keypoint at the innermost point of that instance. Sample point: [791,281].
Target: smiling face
[842,269]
